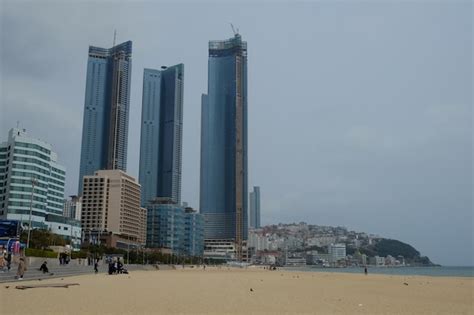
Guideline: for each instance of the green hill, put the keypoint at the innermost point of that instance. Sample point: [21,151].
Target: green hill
[384,247]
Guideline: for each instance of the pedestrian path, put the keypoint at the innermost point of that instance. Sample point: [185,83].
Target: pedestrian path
[60,271]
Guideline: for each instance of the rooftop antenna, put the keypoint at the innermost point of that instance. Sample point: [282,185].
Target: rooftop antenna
[115,37]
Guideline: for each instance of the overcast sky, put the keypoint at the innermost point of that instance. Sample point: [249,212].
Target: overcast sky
[360,113]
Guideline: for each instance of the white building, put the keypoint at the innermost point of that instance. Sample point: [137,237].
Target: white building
[295,261]
[337,252]
[378,261]
[73,208]
[275,242]
[25,163]
[322,241]
[68,228]
[258,241]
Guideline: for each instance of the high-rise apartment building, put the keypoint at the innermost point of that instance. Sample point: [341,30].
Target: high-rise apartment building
[162,134]
[72,208]
[28,164]
[106,109]
[223,183]
[111,211]
[255,208]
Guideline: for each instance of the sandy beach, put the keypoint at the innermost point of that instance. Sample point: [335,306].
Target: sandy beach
[240,291]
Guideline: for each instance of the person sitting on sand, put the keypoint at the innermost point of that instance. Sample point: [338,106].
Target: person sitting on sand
[44,268]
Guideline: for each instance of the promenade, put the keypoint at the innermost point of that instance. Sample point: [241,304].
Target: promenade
[61,271]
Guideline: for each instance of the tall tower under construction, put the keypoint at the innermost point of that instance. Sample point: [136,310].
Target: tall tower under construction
[223,182]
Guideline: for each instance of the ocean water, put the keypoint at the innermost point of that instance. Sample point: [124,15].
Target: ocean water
[403,271]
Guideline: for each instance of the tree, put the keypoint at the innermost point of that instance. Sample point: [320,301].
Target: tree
[41,239]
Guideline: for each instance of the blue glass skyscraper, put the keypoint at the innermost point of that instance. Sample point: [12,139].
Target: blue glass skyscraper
[161,134]
[106,109]
[223,186]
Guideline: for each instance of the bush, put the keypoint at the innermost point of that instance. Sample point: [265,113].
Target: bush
[33,252]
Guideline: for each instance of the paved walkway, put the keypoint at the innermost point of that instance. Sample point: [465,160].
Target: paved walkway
[60,271]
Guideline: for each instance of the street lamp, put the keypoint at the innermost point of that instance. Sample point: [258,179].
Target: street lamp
[34,182]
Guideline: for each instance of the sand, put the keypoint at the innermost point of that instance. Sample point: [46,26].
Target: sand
[240,291]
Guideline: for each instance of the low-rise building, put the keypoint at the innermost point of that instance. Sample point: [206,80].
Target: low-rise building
[337,252]
[295,261]
[377,261]
[171,226]
[70,229]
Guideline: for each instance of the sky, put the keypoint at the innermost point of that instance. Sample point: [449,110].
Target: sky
[360,112]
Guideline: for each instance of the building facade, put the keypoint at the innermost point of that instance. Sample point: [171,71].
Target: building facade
[106,110]
[174,228]
[68,228]
[165,225]
[28,164]
[73,207]
[111,209]
[193,232]
[162,134]
[337,252]
[255,208]
[223,182]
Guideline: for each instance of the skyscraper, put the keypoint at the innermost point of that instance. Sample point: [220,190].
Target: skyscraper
[161,134]
[255,208]
[106,110]
[223,187]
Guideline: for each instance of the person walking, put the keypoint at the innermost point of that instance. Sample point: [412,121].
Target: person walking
[365,270]
[96,265]
[9,261]
[21,269]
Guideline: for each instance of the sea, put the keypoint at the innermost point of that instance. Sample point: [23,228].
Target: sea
[443,271]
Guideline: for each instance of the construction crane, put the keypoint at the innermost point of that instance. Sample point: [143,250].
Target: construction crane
[234,30]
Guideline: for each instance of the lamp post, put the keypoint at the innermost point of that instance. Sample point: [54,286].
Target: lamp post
[34,182]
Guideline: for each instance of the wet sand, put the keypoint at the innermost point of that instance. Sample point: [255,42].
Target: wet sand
[242,291]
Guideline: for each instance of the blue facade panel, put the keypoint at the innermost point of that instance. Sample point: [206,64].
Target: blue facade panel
[171,226]
[165,227]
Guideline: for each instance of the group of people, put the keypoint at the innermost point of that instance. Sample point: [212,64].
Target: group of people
[116,267]
[64,259]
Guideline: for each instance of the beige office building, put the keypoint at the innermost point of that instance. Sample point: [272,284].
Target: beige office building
[111,212]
